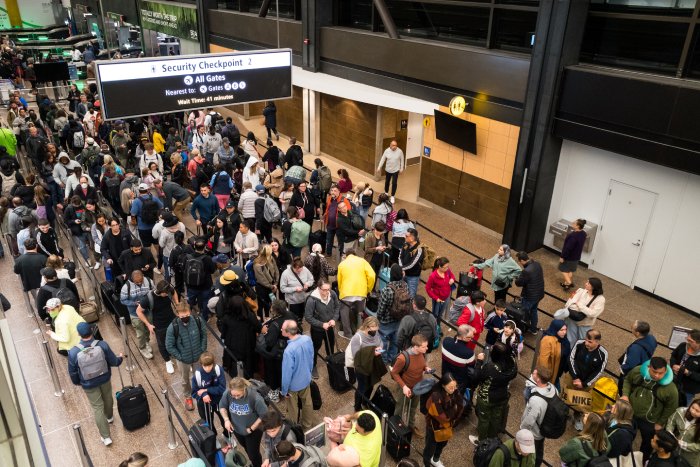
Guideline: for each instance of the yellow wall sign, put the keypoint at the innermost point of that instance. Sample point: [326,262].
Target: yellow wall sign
[426,122]
[457,105]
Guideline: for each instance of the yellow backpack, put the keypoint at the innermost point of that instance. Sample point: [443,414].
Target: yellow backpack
[605,386]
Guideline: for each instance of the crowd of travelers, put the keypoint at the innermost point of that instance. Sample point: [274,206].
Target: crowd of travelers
[276,290]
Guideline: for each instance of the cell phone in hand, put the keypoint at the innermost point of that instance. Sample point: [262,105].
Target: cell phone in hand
[430,371]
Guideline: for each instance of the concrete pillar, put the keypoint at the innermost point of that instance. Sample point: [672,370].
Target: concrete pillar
[378,141]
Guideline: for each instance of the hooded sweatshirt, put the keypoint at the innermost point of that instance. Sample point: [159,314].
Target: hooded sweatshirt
[536,408]
[638,352]
[653,401]
[318,312]
[253,178]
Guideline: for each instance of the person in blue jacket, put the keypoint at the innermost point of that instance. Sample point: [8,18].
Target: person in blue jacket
[638,352]
[98,388]
[205,207]
[208,385]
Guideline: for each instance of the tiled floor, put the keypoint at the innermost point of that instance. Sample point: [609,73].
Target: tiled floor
[57,415]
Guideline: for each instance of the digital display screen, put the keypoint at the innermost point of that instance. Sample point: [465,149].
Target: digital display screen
[455,131]
[147,86]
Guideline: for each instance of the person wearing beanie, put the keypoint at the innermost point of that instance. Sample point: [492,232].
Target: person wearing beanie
[389,322]
[97,383]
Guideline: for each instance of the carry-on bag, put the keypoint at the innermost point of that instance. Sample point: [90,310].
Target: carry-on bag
[132,405]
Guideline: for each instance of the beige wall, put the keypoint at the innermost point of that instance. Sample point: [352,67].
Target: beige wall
[496,144]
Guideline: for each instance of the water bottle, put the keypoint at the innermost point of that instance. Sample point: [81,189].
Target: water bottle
[108,273]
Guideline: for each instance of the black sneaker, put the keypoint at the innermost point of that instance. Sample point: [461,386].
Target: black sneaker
[314,373]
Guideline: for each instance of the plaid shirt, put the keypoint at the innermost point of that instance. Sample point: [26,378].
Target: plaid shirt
[132,293]
[386,298]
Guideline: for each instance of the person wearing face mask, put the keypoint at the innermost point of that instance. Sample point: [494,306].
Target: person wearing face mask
[365,356]
[186,339]
[81,186]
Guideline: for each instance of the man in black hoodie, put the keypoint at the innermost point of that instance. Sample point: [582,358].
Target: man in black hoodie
[29,265]
[50,288]
[114,242]
[532,282]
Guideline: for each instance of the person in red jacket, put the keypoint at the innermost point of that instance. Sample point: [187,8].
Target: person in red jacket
[439,286]
[473,315]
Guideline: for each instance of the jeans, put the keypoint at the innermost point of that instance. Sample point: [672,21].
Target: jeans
[83,244]
[295,251]
[439,309]
[394,179]
[330,236]
[433,449]
[364,390]
[388,333]
[363,214]
[209,156]
[412,282]
[531,308]
[574,332]
[200,298]
[166,268]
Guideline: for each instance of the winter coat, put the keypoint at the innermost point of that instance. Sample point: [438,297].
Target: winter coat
[573,453]
[690,382]
[621,438]
[74,371]
[493,381]
[531,280]
[28,267]
[246,204]
[316,312]
[355,277]
[191,340]
[238,333]
[505,271]
[289,284]
[266,275]
[274,182]
[653,401]
[550,356]
[685,434]
[638,352]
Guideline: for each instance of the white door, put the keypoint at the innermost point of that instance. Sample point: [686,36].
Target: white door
[619,243]
[414,137]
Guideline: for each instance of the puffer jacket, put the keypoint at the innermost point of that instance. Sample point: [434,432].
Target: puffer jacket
[531,279]
[653,401]
[690,449]
[191,340]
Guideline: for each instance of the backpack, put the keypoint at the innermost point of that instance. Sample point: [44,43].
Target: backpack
[356,221]
[428,258]
[426,329]
[390,218]
[596,460]
[64,294]
[325,180]
[176,327]
[78,139]
[299,235]
[91,361]
[486,449]
[294,428]
[250,272]
[205,170]
[198,374]
[195,276]
[401,304]
[271,212]
[149,210]
[8,182]
[311,460]
[553,424]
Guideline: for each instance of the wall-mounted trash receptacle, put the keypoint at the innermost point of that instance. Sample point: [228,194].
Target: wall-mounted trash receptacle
[561,228]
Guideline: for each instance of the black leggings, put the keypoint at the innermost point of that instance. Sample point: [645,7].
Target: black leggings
[501,294]
[251,443]
[318,337]
[394,179]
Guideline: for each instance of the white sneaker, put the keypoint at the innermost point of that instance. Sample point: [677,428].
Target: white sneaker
[474,440]
[169,367]
[107,441]
[436,463]
[146,354]
[110,420]
[392,199]
[97,265]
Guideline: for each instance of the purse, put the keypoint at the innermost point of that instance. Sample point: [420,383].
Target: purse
[576,315]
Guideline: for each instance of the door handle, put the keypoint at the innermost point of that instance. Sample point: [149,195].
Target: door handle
[637,243]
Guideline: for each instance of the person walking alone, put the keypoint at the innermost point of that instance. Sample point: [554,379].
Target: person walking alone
[394,164]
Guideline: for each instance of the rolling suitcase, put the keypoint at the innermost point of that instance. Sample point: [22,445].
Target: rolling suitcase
[110,299]
[132,405]
[515,311]
[398,440]
[340,377]
[202,439]
[383,401]
[384,276]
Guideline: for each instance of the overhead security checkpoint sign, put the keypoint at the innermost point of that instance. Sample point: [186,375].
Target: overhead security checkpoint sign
[147,86]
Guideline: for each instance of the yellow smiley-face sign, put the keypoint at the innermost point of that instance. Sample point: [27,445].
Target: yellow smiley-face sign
[457,105]
[426,122]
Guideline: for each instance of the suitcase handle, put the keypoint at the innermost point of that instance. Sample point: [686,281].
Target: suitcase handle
[119,370]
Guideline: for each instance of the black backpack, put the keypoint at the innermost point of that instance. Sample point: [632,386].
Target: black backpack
[205,171]
[553,424]
[486,449]
[195,276]
[596,460]
[294,428]
[64,294]
[149,210]
[424,327]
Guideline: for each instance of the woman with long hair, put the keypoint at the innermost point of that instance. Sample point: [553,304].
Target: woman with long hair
[267,277]
[178,171]
[318,264]
[590,443]
[344,184]
[97,231]
[505,269]
[238,327]
[322,312]
[304,201]
[399,229]
[439,286]
[137,459]
[571,253]
[684,424]
[621,429]
[221,236]
[281,255]
[241,407]
[590,301]
[44,204]
[444,408]
[362,199]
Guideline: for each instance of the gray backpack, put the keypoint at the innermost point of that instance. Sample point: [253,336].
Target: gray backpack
[91,361]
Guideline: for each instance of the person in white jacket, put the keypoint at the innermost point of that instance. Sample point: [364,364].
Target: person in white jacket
[150,155]
[395,163]
[296,283]
[246,203]
[252,172]
[164,233]
[246,243]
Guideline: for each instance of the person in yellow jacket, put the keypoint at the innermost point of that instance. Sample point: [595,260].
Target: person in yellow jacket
[66,321]
[355,281]
[158,141]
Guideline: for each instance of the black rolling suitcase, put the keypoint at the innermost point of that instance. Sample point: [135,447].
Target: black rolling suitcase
[132,405]
[398,440]
[340,377]
[515,311]
[202,439]
[110,299]
[318,236]
[383,401]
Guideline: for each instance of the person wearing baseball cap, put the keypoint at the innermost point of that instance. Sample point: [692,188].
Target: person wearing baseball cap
[65,322]
[96,384]
[521,450]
